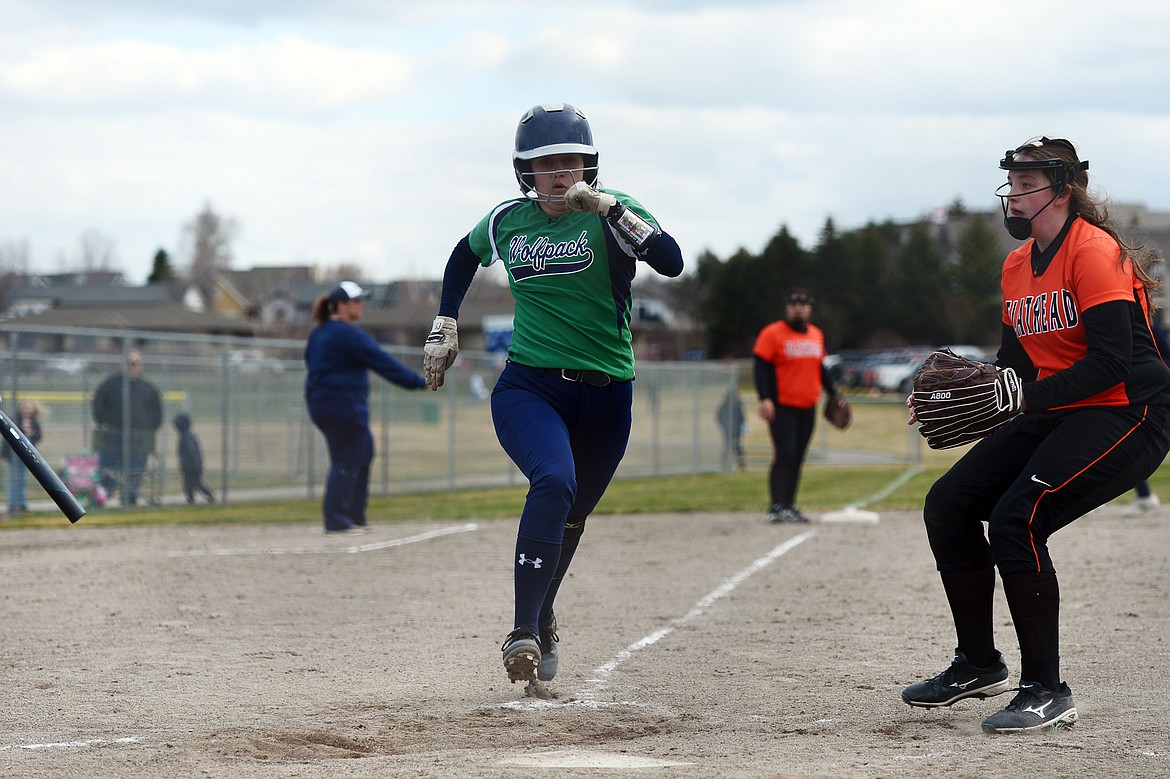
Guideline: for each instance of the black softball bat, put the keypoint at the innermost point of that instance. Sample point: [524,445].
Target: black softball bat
[40,470]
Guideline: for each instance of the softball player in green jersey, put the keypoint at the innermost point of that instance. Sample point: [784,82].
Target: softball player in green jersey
[562,405]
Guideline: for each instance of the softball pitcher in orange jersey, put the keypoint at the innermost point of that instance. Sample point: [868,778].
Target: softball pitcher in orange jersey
[790,373]
[1095,421]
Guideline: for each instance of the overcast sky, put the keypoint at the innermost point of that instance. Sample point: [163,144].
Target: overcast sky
[378,132]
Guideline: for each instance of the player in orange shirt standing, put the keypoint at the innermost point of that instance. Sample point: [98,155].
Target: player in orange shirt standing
[790,375]
[1095,399]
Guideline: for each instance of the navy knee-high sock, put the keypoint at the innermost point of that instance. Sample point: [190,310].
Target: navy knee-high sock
[573,531]
[534,565]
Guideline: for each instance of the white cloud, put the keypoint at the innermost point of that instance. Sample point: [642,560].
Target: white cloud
[381,131]
[288,74]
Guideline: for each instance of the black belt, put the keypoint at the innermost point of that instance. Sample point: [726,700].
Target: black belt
[588,378]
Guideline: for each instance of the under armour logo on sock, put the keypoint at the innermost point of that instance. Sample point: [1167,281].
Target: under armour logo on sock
[525,560]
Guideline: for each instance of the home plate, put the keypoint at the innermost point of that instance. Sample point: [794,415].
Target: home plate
[572,758]
[851,514]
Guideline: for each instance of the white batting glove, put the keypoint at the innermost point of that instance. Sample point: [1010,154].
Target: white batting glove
[582,197]
[440,350]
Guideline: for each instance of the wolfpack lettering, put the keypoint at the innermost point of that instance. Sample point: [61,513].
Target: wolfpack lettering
[1043,313]
[532,259]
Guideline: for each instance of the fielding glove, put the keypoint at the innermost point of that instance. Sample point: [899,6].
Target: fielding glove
[440,350]
[957,400]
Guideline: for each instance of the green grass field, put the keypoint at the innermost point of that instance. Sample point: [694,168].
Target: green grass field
[822,488]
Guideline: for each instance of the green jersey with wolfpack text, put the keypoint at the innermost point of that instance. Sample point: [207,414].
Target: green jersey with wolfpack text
[571,278]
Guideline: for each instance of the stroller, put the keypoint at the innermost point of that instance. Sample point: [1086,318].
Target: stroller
[81,477]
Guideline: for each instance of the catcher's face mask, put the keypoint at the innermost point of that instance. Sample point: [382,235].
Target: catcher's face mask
[1055,169]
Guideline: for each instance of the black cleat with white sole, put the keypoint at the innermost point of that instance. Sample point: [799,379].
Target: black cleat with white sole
[961,680]
[1034,709]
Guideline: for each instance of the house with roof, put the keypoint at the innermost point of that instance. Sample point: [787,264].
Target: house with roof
[110,305]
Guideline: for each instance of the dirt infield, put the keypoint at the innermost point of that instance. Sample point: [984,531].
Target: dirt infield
[692,645]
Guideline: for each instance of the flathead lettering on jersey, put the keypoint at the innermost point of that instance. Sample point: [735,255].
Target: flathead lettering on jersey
[1043,313]
[797,349]
[526,260]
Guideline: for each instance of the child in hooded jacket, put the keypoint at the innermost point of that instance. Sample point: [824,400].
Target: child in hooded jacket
[191,460]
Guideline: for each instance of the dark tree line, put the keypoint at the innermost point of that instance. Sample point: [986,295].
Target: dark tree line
[882,285]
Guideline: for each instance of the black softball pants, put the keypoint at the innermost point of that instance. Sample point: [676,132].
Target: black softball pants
[791,430]
[1035,475]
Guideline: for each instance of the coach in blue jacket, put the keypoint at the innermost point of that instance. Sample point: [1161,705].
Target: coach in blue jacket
[339,356]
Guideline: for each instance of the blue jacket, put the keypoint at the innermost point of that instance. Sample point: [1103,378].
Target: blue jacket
[339,357]
[190,455]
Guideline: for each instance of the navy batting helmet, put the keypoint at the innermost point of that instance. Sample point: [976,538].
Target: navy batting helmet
[552,128]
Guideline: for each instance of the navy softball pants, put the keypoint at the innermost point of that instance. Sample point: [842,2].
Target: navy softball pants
[567,438]
[346,425]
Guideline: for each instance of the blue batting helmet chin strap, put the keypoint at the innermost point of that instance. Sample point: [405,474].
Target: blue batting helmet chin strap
[1020,227]
[547,130]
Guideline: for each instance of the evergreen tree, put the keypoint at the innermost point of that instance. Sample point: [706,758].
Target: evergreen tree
[161,269]
[975,297]
[920,298]
[883,285]
[870,286]
[729,307]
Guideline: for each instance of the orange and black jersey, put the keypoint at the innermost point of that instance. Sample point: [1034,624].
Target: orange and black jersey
[1076,324]
[789,365]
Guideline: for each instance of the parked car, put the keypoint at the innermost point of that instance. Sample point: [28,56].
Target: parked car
[848,367]
[254,361]
[66,364]
[892,373]
[963,350]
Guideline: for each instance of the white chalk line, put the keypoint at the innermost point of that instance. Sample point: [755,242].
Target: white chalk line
[370,547]
[387,544]
[594,686]
[89,742]
[897,482]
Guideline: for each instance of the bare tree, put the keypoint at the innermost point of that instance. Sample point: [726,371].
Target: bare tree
[14,256]
[344,270]
[208,239]
[97,252]
[13,268]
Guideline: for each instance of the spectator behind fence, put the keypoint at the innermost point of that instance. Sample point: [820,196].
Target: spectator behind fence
[339,356]
[28,419]
[191,460]
[732,423]
[133,432]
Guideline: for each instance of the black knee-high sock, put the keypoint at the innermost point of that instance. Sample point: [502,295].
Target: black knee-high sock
[573,530]
[533,568]
[782,480]
[1034,601]
[971,595]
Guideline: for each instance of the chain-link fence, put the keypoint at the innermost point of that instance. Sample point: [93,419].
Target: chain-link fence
[244,397]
